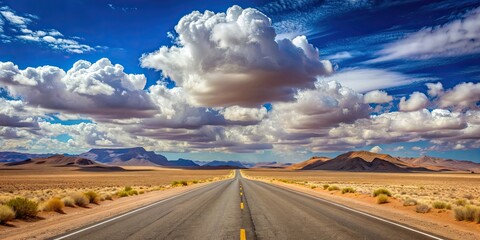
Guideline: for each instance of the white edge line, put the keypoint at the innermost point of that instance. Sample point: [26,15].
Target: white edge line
[360,212]
[129,213]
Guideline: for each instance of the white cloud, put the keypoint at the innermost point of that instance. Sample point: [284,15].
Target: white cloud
[456,38]
[377,96]
[236,113]
[416,148]
[462,96]
[416,102]
[399,148]
[99,89]
[376,149]
[52,38]
[434,89]
[236,53]
[365,80]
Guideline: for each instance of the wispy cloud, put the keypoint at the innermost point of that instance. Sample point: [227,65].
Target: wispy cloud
[19,30]
[456,38]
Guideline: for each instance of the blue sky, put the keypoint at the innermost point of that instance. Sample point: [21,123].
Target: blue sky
[264,80]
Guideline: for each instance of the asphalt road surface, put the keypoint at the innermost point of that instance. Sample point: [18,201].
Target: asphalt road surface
[245,209]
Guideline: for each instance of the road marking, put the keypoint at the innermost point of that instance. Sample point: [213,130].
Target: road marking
[362,213]
[243,235]
[132,212]
[241,205]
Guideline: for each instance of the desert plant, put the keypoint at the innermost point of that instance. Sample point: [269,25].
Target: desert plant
[108,197]
[80,199]
[68,201]
[460,202]
[410,202]
[468,196]
[54,204]
[313,187]
[422,208]
[466,213]
[382,198]
[439,205]
[6,214]
[92,197]
[348,190]
[382,191]
[325,186]
[127,191]
[333,188]
[23,207]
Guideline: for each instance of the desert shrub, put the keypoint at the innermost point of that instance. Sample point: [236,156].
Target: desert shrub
[313,187]
[439,205]
[108,197]
[92,197]
[80,199]
[466,213]
[68,201]
[128,188]
[460,202]
[122,193]
[54,204]
[382,191]
[333,188]
[6,214]
[127,191]
[325,186]
[23,207]
[382,198]
[175,183]
[410,202]
[195,181]
[348,190]
[468,196]
[4,199]
[422,208]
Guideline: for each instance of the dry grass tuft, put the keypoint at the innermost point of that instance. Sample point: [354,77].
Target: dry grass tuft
[68,201]
[381,191]
[382,198]
[440,205]
[80,199]
[92,197]
[55,205]
[348,190]
[325,186]
[467,213]
[422,208]
[333,188]
[6,214]
[410,202]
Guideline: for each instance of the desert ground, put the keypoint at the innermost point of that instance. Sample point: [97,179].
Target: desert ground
[419,197]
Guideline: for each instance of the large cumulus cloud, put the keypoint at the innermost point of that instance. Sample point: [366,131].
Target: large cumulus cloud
[100,89]
[232,58]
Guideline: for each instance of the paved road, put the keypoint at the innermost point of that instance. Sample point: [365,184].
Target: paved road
[244,209]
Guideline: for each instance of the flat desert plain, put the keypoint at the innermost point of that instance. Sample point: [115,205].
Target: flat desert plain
[428,201]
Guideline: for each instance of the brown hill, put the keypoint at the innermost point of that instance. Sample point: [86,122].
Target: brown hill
[62,161]
[359,161]
[271,165]
[309,164]
[440,164]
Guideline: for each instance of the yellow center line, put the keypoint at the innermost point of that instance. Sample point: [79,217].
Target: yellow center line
[243,235]
[241,205]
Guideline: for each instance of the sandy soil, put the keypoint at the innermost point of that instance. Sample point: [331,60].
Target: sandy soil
[439,222]
[51,224]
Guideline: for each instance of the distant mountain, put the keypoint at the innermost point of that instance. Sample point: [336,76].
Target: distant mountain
[16,156]
[217,163]
[309,164]
[271,165]
[61,161]
[438,164]
[183,163]
[126,157]
[359,161]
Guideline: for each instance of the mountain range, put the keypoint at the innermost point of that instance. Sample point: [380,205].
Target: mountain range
[350,161]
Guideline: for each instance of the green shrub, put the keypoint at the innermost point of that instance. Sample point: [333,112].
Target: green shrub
[325,186]
[80,199]
[439,205]
[382,198]
[92,197]
[68,201]
[333,188]
[348,190]
[23,208]
[410,202]
[422,208]
[55,205]
[6,214]
[382,191]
